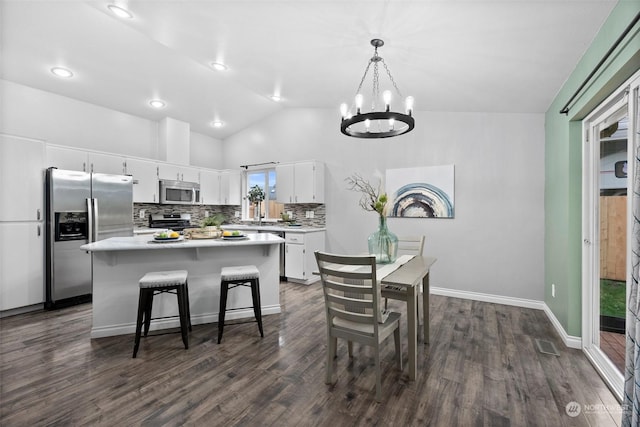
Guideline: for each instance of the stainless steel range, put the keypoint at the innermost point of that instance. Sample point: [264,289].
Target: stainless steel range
[176,222]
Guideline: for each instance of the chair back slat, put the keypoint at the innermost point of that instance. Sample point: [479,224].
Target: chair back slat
[410,245]
[350,288]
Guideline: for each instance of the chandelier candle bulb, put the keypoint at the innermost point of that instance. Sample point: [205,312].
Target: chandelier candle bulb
[386,95]
[343,110]
[359,100]
[391,123]
[367,124]
[409,104]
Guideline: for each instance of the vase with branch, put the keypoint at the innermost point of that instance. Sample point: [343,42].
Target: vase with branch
[382,243]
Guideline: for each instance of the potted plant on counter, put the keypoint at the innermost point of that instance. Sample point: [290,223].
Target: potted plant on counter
[210,227]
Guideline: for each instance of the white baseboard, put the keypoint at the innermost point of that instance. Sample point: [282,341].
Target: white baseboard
[568,340]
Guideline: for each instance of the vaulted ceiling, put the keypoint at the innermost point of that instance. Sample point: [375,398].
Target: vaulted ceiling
[476,55]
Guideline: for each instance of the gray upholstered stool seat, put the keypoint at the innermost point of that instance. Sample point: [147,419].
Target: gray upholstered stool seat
[164,278]
[242,272]
[231,277]
[157,282]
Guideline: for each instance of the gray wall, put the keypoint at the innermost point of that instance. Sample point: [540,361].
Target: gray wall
[494,244]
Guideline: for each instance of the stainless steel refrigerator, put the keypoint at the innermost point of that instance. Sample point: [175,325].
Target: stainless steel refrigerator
[81,208]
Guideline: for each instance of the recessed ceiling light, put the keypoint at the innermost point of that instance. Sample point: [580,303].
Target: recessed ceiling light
[219,66]
[157,103]
[62,72]
[217,124]
[276,98]
[120,12]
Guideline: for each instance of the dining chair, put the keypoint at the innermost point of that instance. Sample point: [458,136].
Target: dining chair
[353,310]
[407,245]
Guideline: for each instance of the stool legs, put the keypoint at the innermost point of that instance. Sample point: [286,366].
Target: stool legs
[145,305]
[257,308]
[182,311]
[224,290]
[141,309]
[255,297]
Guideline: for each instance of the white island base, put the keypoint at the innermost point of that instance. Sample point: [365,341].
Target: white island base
[120,262]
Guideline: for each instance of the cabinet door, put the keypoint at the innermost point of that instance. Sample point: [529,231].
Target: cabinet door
[145,180]
[285,183]
[190,174]
[304,182]
[167,171]
[106,163]
[21,265]
[294,261]
[178,173]
[209,187]
[67,158]
[21,179]
[230,188]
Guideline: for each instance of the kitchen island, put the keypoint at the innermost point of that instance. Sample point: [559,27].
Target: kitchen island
[119,262]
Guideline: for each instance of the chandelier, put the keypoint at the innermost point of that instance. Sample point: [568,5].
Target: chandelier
[376,124]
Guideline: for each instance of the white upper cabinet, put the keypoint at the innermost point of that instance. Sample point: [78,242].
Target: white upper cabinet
[209,187]
[21,182]
[145,180]
[178,173]
[106,163]
[301,182]
[67,158]
[230,187]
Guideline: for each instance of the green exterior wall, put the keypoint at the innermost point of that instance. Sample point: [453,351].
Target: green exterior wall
[563,160]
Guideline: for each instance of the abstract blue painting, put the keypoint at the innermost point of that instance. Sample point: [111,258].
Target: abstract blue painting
[422,192]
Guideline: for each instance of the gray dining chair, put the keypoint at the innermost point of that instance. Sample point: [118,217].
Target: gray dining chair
[407,245]
[353,309]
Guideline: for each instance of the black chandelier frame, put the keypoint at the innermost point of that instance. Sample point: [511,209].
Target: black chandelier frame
[347,122]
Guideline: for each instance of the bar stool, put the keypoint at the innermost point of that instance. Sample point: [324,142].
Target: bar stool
[231,277]
[158,282]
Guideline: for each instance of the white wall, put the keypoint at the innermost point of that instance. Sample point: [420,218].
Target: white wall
[495,242]
[56,119]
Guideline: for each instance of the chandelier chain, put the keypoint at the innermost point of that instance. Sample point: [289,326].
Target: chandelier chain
[376,86]
[363,77]
[391,78]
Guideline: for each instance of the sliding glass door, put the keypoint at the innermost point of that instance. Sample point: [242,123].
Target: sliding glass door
[608,149]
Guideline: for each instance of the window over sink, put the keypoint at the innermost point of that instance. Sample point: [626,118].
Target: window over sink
[269,208]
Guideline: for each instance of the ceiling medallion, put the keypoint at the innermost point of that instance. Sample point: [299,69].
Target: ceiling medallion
[376,124]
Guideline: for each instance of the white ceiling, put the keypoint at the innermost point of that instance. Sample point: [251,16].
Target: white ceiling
[476,55]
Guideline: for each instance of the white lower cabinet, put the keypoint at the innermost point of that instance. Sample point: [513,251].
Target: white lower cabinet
[21,264]
[300,261]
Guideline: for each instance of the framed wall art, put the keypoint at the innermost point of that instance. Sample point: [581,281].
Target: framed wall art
[421,192]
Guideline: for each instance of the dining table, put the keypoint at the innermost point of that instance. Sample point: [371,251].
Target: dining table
[402,278]
[407,279]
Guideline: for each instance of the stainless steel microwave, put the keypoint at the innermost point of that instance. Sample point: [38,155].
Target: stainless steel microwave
[179,192]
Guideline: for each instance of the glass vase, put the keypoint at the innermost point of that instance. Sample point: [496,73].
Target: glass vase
[383,243]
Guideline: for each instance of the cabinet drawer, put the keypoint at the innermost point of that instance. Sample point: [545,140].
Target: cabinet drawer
[294,238]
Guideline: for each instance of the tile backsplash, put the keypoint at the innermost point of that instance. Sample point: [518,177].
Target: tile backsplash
[197,212]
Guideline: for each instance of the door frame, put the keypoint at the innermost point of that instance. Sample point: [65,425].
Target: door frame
[591,126]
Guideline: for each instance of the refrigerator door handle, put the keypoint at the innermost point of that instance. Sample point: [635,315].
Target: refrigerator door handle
[95,219]
[90,219]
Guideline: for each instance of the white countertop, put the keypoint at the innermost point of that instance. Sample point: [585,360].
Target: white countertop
[283,228]
[146,242]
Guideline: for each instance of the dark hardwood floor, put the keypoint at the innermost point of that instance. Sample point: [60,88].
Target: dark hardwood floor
[481,369]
